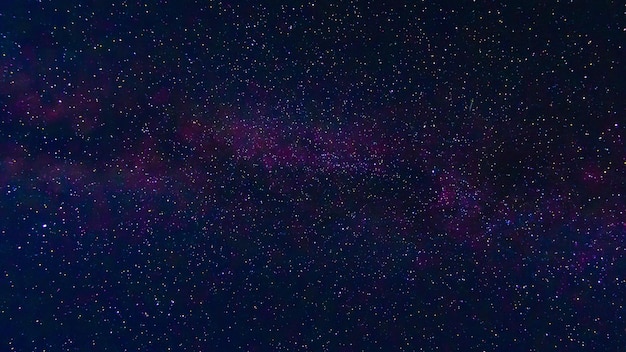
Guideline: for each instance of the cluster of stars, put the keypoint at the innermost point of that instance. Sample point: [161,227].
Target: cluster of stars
[358,176]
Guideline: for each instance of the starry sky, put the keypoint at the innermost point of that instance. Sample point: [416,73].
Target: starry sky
[309,176]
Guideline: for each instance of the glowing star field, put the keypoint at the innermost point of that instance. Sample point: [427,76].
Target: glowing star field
[306,176]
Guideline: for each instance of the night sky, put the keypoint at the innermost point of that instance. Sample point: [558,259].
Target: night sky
[202,175]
